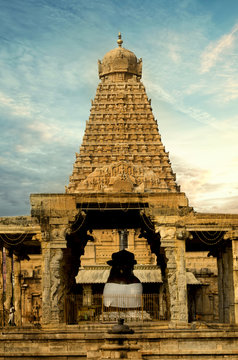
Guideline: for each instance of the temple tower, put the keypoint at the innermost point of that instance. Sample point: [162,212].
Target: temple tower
[121,148]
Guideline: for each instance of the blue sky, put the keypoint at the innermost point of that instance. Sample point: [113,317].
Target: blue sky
[48,75]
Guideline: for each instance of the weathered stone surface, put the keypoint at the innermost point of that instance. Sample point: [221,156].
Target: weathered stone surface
[8,294]
[17,290]
[53,284]
[1,289]
[122,149]
[148,342]
[175,275]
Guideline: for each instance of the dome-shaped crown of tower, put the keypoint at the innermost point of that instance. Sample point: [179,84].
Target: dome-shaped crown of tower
[120,60]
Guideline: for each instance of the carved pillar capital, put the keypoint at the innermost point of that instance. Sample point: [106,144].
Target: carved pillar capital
[183,234]
[58,236]
[167,232]
[167,236]
[231,235]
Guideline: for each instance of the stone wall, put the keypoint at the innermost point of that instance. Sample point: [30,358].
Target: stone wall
[94,343]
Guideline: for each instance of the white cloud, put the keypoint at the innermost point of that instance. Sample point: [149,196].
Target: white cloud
[18,107]
[45,131]
[207,190]
[230,90]
[214,51]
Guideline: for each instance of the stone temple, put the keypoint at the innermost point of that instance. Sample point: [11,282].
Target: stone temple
[122,195]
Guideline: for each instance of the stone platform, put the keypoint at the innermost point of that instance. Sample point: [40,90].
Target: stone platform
[92,342]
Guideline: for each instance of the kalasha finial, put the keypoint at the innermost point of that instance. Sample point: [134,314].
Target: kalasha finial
[119,41]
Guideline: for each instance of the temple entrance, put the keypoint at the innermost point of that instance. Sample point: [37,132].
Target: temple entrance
[99,231]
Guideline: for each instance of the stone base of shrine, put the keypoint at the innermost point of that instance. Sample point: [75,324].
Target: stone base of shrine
[92,342]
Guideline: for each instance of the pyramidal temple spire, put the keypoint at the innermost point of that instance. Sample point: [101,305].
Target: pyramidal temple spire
[121,149]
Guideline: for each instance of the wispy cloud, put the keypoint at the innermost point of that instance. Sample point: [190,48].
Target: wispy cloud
[230,89]
[214,51]
[47,132]
[206,192]
[16,107]
[177,100]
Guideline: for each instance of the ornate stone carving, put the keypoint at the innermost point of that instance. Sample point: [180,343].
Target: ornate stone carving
[17,290]
[121,128]
[231,234]
[58,233]
[56,278]
[46,285]
[183,234]
[175,274]
[121,176]
[8,295]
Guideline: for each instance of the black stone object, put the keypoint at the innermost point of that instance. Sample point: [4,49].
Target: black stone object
[121,328]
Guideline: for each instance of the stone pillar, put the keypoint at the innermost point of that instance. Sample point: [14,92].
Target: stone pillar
[174,250]
[226,281]
[131,240]
[162,310]
[24,303]
[17,290]
[53,285]
[46,306]
[55,214]
[87,295]
[1,288]
[53,275]
[235,278]
[57,286]
[220,287]
[8,292]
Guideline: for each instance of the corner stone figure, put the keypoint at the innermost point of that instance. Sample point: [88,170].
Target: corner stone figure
[11,320]
[123,289]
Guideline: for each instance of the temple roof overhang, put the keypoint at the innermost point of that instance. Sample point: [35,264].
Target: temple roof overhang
[21,234]
[98,274]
